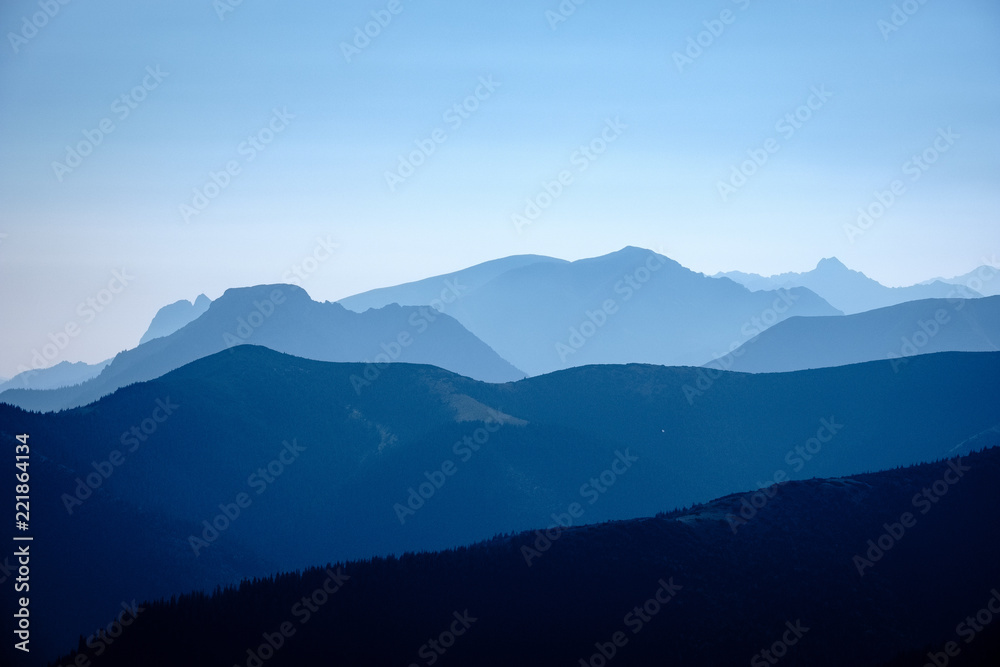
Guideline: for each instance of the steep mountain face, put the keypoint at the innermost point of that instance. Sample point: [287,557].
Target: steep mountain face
[850,291]
[629,306]
[284,318]
[283,461]
[172,317]
[896,333]
[63,374]
[842,571]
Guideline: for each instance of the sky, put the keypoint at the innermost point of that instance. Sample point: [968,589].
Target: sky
[192,147]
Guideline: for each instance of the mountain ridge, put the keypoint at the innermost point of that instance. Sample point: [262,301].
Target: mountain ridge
[286,318]
[849,290]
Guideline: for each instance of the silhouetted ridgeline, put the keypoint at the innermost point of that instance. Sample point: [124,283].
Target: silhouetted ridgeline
[284,318]
[423,459]
[786,581]
[894,332]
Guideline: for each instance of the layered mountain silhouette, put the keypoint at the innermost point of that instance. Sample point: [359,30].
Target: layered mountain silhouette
[858,570]
[630,306]
[850,291]
[172,317]
[435,291]
[63,374]
[895,332]
[284,318]
[984,279]
[424,459]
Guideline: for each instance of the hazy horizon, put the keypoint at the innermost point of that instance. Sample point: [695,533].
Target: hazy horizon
[209,146]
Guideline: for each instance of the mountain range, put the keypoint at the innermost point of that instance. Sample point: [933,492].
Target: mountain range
[633,305]
[547,413]
[542,314]
[865,570]
[62,374]
[850,291]
[981,279]
[424,459]
[896,333]
[173,316]
[284,318]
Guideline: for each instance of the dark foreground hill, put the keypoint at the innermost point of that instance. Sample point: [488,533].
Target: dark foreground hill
[846,571]
[259,461]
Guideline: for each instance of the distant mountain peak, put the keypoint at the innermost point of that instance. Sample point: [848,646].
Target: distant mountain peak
[831,264]
[636,250]
[293,292]
[172,317]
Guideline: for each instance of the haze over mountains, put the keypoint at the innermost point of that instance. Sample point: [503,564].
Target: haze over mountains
[269,433]
[426,459]
[629,306]
[541,314]
[172,317]
[62,374]
[895,332]
[981,279]
[850,291]
[284,318]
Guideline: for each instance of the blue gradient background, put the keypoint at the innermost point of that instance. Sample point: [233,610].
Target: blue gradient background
[324,175]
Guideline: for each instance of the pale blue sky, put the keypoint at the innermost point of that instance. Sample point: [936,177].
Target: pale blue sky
[324,173]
